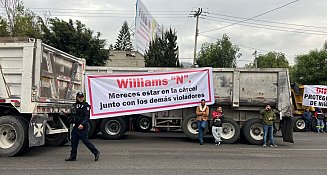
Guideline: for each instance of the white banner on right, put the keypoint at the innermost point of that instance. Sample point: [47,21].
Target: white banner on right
[315,95]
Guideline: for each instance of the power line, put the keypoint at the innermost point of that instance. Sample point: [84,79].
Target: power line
[249,47]
[265,21]
[99,13]
[209,17]
[108,13]
[247,19]
[272,27]
[102,10]
[111,16]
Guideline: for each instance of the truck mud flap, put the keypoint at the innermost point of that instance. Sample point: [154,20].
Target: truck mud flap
[287,129]
[36,130]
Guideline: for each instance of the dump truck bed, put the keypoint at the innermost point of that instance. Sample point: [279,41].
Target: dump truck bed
[38,77]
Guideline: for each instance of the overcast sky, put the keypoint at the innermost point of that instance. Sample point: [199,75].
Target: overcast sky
[249,36]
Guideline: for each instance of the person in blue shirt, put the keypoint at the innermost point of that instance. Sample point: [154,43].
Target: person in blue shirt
[307,116]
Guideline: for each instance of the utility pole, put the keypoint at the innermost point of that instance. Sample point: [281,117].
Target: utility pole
[196,15]
[255,59]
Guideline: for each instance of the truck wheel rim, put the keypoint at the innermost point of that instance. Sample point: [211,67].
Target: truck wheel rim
[300,124]
[8,136]
[256,132]
[192,126]
[228,131]
[144,123]
[112,127]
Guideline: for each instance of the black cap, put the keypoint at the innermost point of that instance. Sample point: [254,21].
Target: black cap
[79,94]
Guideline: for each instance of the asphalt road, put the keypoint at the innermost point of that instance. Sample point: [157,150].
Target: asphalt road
[173,153]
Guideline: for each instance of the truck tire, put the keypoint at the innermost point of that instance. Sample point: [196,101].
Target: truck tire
[55,139]
[93,129]
[190,127]
[144,123]
[113,128]
[253,131]
[298,124]
[13,136]
[231,131]
[27,148]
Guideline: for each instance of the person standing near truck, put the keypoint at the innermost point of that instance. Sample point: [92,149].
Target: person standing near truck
[319,115]
[268,117]
[217,128]
[202,112]
[307,119]
[80,120]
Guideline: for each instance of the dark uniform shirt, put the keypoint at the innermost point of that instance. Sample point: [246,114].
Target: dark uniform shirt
[81,114]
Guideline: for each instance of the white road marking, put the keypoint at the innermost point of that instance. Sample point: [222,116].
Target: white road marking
[300,139]
[280,149]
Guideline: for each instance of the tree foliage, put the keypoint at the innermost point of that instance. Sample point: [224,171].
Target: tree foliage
[124,39]
[12,9]
[311,68]
[19,22]
[71,37]
[163,51]
[76,39]
[28,24]
[270,60]
[221,54]
[3,28]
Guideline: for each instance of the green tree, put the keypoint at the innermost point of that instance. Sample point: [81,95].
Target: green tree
[124,39]
[311,68]
[163,51]
[171,49]
[76,39]
[28,25]
[270,60]
[220,54]
[19,22]
[73,38]
[4,28]
[12,9]
[154,56]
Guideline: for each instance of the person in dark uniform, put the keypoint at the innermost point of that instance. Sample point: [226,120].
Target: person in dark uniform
[80,119]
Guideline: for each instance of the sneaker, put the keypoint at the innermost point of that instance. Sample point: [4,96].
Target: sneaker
[97,156]
[273,146]
[218,143]
[70,159]
[201,143]
[264,145]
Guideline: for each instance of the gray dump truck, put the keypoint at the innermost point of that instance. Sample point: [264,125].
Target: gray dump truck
[241,92]
[38,84]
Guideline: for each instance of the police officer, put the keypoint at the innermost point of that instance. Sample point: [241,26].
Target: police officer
[80,119]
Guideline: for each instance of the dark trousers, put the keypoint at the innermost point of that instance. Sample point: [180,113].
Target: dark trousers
[81,134]
[307,124]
